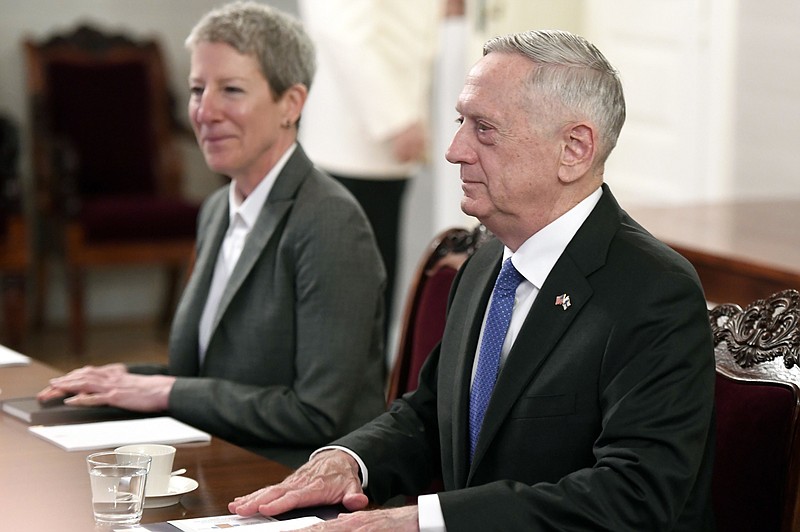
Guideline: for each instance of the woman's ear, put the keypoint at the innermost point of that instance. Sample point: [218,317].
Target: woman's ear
[293,100]
[577,152]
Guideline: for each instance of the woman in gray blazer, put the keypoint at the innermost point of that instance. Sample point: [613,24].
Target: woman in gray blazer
[276,344]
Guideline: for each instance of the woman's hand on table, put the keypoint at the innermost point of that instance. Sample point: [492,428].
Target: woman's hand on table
[112,385]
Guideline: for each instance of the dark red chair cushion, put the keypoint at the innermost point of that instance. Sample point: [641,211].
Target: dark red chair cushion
[93,107]
[138,218]
[753,431]
[9,171]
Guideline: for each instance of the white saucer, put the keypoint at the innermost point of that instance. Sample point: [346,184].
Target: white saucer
[178,487]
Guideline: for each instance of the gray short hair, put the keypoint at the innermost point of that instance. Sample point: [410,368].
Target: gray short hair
[571,70]
[277,40]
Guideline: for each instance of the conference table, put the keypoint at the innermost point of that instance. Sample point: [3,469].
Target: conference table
[44,488]
[742,250]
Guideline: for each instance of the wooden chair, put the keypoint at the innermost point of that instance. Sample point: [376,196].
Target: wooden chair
[106,164]
[757,467]
[426,303]
[14,240]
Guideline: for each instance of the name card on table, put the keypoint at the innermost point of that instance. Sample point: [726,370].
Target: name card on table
[109,434]
[256,523]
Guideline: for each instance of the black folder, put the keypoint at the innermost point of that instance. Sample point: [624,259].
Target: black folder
[55,412]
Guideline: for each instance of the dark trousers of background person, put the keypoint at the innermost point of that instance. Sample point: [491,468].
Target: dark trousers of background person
[381,200]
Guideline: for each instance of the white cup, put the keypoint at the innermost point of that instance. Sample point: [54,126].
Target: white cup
[160,467]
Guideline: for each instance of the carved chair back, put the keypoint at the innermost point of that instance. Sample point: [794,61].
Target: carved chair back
[757,463]
[426,303]
[101,115]
[106,161]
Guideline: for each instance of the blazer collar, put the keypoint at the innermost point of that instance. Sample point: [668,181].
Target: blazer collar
[279,202]
[547,320]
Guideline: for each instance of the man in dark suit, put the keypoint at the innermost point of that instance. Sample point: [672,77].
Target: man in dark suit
[596,411]
[277,343]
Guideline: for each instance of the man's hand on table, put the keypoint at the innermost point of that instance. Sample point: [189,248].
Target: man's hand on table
[330,477]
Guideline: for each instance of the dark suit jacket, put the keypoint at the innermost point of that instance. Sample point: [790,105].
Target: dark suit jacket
[601,418]
[296,356]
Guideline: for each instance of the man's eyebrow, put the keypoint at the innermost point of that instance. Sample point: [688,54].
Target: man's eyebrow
[476,116]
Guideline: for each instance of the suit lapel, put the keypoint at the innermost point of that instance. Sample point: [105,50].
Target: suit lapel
[546,322]
[183,342]
[276,208]
[207,258]
[268,220]
[486,268]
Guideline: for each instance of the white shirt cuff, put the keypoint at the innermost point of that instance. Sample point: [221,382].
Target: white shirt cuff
[362,468]
[430,514]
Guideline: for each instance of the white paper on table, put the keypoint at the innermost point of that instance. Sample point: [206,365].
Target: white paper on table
[10,358]
[107,434]
[250,524]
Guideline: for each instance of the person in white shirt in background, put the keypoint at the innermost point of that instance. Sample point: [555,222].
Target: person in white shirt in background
[366,118]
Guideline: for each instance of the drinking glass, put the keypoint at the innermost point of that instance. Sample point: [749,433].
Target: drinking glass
[118,481]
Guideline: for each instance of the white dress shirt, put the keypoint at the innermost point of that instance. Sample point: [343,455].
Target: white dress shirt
[534,259]
[242,213]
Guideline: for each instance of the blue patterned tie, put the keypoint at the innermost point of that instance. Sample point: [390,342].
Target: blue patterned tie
[494,335]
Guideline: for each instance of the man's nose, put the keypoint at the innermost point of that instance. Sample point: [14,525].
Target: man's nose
[458,150]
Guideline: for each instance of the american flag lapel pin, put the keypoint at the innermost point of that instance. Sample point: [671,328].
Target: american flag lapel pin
[564,301]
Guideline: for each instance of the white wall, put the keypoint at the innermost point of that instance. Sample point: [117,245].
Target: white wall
[664,54]
[766,111]
[712,96]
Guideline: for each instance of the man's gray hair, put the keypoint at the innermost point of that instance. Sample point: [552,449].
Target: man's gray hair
[572,71]
[279,43]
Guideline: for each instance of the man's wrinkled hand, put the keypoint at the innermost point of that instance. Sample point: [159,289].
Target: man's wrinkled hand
[330,477]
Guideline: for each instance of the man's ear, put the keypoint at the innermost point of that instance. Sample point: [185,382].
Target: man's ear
[577,151]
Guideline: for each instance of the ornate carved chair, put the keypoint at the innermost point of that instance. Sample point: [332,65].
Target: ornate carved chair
[424,315]
[14,239]
[106,163]
[757,468]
